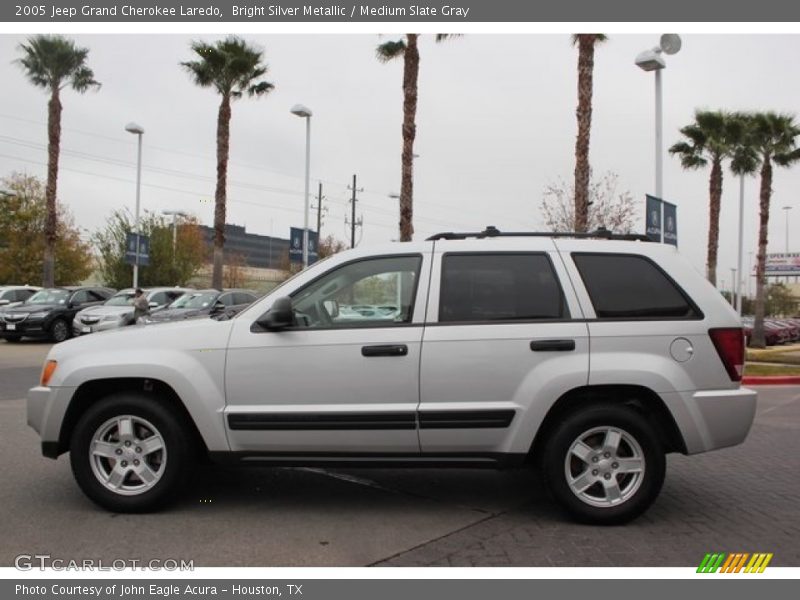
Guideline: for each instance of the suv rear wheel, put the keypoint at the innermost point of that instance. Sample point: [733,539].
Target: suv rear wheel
[130,453]
[604,464]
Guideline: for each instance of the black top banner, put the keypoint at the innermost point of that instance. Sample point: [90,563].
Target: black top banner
[456,11]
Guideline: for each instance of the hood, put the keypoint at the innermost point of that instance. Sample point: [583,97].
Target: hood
[32,308]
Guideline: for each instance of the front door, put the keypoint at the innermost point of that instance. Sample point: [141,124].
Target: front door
[345,377]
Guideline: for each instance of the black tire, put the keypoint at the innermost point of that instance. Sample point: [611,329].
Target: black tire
[60,331]
[13,338]
[594,505]
[173,465]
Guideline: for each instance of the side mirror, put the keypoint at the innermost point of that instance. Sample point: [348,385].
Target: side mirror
[5,302]
[218,306]
[332,308]
[153,304]
[280,316]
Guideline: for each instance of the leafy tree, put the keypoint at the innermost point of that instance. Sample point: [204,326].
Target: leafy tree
[23,218]
[711,138]
[608,207]
[54,62]
[166,268]
[235,271]
[408,49]
[769,139]
[232,68]
[586,43]
[330,245]
[780,302]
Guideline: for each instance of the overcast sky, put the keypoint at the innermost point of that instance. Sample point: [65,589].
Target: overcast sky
[496,123]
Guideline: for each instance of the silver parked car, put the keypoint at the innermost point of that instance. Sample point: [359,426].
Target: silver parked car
[589,357]
[118,311]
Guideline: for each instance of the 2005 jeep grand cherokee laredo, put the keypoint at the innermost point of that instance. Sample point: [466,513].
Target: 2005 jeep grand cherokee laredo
[591,358]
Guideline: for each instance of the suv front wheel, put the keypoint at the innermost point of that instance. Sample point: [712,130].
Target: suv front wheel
[130,453]
[604,464]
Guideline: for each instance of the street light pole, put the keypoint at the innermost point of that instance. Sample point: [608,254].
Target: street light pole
[175,214]
[305,112]
[652,60]
[137,130]
[786,210]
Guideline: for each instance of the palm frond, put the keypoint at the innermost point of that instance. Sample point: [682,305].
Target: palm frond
[596,38]
[390,50]
[231,66]
[53,61]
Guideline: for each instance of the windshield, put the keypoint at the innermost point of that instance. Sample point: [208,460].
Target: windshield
[121,299]
[195,300]
[49,297]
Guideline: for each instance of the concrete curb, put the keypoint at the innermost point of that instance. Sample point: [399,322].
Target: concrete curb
[771,380]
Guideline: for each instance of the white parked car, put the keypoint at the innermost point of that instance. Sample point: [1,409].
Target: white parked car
[591,358]
[118,310]
[14,295]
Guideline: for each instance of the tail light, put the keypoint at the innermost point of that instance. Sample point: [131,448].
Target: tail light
[729,342]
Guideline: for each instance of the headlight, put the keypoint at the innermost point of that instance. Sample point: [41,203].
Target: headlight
[38,315]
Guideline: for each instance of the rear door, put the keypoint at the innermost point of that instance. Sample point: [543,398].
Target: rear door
[504,330]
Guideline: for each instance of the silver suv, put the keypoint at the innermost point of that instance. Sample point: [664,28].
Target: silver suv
[590,357]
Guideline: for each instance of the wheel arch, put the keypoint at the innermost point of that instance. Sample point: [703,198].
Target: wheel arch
[641,398]
[91,392]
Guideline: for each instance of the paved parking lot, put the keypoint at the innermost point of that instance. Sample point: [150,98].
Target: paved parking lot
[740,499]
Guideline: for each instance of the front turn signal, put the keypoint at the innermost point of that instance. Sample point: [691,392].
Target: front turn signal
[47,371]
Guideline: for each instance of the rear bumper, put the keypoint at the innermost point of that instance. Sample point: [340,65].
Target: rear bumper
[713,419]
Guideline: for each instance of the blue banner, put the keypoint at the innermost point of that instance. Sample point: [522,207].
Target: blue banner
[296,245]
[670,224]
[130,250]
[652,218]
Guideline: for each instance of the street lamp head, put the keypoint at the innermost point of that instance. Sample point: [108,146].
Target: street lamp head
[650,60]
[670,43]
[301,111]
[171,212]
[134,128]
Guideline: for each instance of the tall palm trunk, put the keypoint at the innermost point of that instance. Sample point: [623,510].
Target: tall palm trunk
[584,114]
[410,76]
[758,339]
[715,196]
[53,147]
[223,145]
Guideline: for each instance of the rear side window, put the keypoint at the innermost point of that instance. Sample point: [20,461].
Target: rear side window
[499,287]
[624,286]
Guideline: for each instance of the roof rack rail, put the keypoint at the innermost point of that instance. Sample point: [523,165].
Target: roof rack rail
[492,231]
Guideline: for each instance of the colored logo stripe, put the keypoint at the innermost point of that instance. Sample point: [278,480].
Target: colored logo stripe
[734,562]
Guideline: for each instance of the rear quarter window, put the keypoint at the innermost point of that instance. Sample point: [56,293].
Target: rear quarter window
[629,286]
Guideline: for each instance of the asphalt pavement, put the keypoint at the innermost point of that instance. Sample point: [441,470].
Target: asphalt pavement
[741,499]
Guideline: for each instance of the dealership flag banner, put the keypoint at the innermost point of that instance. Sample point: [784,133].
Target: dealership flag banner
[652,220]
[296,245]
[670,222]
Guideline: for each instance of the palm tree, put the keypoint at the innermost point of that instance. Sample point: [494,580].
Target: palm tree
[586,43]
[408,49]
[233,69]
[771,138]
[54,62]
[712,138]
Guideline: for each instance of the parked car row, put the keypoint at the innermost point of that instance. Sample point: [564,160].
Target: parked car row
[63,312]
[776,331]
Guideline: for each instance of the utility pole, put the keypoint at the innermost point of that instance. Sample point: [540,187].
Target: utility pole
[353,222]
[319,210]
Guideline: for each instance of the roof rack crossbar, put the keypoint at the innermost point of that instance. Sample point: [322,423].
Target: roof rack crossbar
[492,231]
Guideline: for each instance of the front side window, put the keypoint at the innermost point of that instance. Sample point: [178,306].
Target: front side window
[121,299]
[499,287]
[626,286]
[374,292]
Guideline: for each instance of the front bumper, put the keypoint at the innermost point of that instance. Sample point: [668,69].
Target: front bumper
[81,328]
[713,419]
[46,407]
[27,328]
